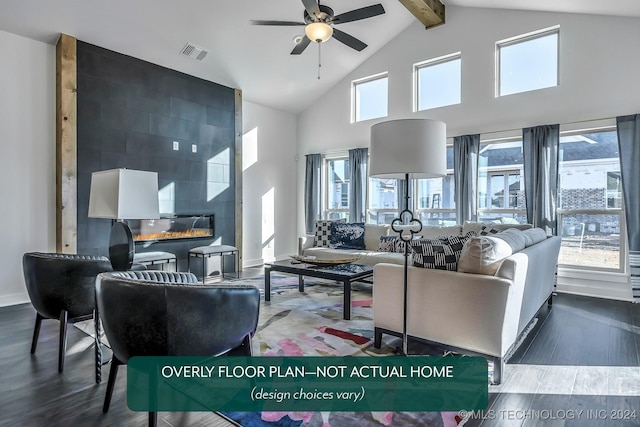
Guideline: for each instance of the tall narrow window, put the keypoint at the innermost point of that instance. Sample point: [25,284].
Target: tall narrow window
[434,199]
[370,98]
[437,82]
[527,62]
[590,215]
[500,185]
[337,188]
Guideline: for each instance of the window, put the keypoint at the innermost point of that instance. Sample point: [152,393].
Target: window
[527,62]
[369,98]
[500,183]
[590,216]
[434,198]
[337,188]
[437,82]
[382,201]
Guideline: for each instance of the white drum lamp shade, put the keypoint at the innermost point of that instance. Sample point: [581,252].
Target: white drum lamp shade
[417,147]
[124,194]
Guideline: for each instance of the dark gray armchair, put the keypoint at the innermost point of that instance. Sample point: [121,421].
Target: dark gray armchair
[157,313]
[61,287]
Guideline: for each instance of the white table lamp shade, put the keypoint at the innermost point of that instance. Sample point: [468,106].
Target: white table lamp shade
[414,146]
[124,194]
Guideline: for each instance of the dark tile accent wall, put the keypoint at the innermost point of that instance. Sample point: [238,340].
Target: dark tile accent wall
[129,114]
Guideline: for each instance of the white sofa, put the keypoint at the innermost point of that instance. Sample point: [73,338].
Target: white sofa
[474,313]
[368,256]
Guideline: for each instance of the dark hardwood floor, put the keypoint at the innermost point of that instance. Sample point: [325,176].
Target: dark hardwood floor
[582,355]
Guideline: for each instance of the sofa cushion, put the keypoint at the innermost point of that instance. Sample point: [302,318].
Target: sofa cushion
[430,232]
[322,237]
[477,226]
[514,238]
[533,236]
[347,235]
[483,255]
[372,234]
[441,253]
[364,257]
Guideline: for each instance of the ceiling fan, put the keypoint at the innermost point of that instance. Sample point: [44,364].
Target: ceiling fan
[319,21]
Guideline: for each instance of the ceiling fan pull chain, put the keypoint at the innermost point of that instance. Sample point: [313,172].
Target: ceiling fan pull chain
[319,59]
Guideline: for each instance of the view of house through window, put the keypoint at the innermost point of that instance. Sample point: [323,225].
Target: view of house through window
[500,183]
[434,198]
[370,98]
[383,201]
[590,216]
[527,62]
[337,189]
[437,82]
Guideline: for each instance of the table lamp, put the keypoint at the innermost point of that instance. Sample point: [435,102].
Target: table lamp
[122,194]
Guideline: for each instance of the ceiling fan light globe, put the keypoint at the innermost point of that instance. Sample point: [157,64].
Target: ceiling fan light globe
[318,31]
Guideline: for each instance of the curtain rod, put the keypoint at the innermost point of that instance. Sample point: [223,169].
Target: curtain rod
[561,124]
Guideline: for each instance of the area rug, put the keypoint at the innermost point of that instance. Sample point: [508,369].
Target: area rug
[311,324]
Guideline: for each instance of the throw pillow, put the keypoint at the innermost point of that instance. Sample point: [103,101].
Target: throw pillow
[372,234]
[387,244]
[483,255]
[486,230]
[322,237]
[442,253]
[347,235]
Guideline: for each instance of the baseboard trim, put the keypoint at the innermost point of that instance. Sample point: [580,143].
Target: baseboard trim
[252,262]
[14,299]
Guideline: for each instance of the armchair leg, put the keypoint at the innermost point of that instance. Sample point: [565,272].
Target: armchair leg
[62,346]
[36,333]
[153,419]
[113,373]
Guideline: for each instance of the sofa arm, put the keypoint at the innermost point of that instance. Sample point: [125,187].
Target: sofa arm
[468,311]
[304,243]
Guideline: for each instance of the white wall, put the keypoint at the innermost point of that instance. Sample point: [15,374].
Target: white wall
[27,161]
[599,67]
[269,184]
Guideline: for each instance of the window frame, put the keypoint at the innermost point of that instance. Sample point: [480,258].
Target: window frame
[523,38]
[506,170]
[364,80]
[430,63]
[620,212]
[326,186]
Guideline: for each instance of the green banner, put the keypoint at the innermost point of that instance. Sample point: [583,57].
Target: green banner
[361,384]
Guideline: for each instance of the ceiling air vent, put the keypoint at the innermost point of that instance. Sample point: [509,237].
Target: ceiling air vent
[193,51]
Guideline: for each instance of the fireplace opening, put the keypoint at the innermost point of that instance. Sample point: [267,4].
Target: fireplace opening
[172,228]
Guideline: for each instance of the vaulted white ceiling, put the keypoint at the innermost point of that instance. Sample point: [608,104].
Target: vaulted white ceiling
[255,59]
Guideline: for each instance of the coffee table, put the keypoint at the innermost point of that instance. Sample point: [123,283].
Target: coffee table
[344,273]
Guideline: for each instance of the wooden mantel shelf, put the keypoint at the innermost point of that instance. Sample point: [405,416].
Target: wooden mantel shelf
[429,12]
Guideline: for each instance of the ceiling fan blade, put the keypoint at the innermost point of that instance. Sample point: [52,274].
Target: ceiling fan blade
[300,47]
[349,40]
[358,14]
[278,23]
[312,7]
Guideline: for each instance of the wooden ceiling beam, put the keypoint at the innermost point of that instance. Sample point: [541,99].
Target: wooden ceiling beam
[429,12]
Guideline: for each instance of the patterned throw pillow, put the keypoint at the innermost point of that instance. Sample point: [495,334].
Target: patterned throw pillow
[487,230]
[387,244]
[322,237]
[347,235]
[442,253]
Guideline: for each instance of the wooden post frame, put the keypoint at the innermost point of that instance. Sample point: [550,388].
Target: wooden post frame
[66,145]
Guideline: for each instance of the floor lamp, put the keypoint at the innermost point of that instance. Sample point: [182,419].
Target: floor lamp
[122,194]
[407,149]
